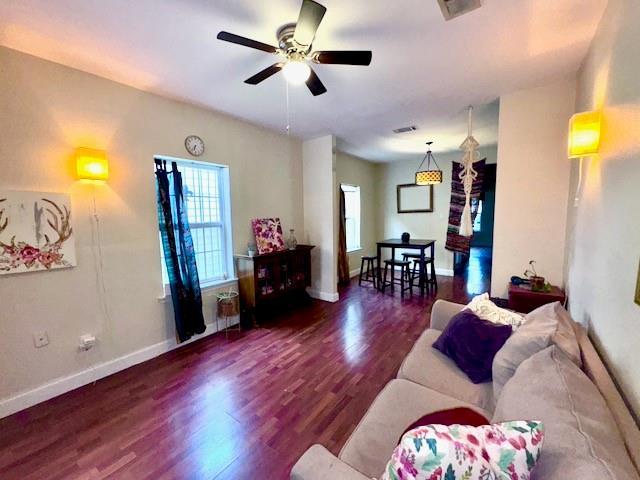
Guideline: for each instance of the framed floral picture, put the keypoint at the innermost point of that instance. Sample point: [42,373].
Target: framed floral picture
[268,232]
[35,232]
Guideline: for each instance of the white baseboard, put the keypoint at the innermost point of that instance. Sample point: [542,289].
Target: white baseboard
[11,405]
[445,272]
[354,273]
[324,296]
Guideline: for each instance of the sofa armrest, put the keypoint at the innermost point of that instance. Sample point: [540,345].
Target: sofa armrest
[318,463]
[442,311]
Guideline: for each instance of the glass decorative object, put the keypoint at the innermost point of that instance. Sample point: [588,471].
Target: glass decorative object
[292,243]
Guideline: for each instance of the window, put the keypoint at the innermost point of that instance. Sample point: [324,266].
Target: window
[206,196]
[477,223]
[352,216]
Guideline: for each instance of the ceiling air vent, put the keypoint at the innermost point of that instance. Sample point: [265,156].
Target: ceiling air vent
[412,128]
[455,8]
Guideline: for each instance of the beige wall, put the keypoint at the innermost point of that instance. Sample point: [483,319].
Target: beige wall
[604,231]
[356,171]
[46,110]
[532,183]
[422,225]
[320,215]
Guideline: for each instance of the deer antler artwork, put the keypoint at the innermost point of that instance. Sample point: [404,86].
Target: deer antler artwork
[21,255]
[61,226]
[4,221]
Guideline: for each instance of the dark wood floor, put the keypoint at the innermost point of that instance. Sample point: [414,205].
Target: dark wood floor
[246,407]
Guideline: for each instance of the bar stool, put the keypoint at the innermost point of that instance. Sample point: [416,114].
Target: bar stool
[421,271]
[405,276]
[407,257]
[370,273]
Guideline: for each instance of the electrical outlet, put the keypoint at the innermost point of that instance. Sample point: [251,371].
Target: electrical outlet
[87,342]
[40,339]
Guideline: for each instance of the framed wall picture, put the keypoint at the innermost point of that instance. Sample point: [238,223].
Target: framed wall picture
[638,286]
[268,232]
[414,198]
[35,232]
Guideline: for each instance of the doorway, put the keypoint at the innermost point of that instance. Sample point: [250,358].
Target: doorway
[475,269]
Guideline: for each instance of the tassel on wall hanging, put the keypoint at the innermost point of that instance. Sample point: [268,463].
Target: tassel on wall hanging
[468,175]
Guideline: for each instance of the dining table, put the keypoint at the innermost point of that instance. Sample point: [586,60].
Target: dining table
[413,244]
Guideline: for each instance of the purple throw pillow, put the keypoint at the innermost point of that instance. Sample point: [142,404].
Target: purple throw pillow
[472,343]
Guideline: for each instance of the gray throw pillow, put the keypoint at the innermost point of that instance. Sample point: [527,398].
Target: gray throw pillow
[581,439]
[546,325]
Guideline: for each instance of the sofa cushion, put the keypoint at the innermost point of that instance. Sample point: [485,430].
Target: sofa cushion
[565,336]
[544,326]
[398,404]
[582,440]
[428,367]
[471,343]
[318,463]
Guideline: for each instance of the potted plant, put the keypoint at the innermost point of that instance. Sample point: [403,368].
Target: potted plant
[537,282]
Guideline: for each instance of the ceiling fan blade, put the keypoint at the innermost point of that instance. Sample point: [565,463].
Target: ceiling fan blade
[311,14]
[315,85]
[264,74]
[344,57]
[247,42]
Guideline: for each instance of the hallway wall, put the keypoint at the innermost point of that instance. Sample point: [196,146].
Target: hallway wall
[532,183]
[356,171]
[603,228]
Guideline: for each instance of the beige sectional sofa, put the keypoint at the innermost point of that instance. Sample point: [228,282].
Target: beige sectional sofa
[588,432]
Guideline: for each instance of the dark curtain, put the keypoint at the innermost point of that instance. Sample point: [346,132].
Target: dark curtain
[179,255]
[343,258]
[455,242]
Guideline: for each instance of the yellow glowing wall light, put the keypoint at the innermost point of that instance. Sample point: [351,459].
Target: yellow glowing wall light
[584,134]
[92,164]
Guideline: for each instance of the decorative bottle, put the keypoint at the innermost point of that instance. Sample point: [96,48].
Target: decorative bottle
[292,243]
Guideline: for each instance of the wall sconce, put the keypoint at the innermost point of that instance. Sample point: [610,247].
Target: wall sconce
[584,134]
[92,164]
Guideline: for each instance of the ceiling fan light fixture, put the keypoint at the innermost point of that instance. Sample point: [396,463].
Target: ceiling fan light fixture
[296,72]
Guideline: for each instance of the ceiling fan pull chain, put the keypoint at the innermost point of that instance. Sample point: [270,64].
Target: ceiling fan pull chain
[286,86]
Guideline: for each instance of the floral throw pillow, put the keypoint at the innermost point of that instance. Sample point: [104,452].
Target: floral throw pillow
[504,451]
[268,232]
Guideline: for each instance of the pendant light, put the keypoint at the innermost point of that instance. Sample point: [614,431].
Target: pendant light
[428,176]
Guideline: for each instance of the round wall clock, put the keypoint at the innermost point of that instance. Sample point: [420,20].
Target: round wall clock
[194,145]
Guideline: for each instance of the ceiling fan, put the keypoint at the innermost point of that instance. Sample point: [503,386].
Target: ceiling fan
[294,47]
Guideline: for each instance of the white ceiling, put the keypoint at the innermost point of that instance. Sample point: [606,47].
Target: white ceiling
[424,72]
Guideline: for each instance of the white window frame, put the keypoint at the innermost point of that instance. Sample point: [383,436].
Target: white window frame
[347,188]
[224,223]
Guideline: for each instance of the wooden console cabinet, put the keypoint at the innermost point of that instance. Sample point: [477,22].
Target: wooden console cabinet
[272,281]
[523,300]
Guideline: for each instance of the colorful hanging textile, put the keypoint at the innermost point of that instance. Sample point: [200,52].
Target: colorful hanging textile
[343,257]
[468,176]
[456,242]
[179,254]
